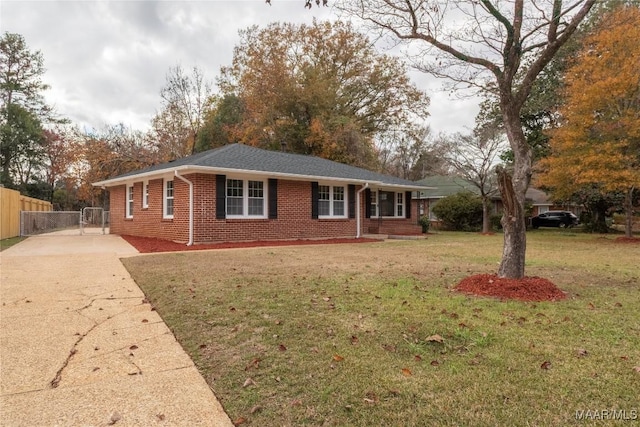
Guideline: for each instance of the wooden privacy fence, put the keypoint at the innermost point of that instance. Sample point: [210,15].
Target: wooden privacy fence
[11,203]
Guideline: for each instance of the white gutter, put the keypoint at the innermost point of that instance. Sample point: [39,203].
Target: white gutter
[364,187]
[207,169]
[190,242]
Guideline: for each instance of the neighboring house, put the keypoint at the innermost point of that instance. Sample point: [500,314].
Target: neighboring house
[242,193]
[443,186]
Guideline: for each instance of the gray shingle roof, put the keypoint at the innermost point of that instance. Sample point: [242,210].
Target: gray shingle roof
[443,186]
[244,158]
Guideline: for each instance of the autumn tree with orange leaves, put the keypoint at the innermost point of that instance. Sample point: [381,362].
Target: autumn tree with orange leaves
[598,143]
[318,89]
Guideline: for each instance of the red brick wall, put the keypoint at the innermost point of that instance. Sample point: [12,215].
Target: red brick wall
[294,215]
[148,222]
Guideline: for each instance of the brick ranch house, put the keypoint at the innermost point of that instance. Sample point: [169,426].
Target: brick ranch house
[242,193]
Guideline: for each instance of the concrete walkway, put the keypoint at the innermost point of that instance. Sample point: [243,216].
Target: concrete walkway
[80,346]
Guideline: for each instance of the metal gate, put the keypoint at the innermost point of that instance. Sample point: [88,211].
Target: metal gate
[86,221]
[94,221]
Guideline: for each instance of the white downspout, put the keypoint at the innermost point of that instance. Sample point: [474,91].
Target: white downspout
[364,187]
[190,242]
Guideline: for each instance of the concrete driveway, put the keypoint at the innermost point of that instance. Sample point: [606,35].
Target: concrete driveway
[80,346]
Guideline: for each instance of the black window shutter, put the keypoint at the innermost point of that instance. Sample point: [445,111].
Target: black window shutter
[273,198]
[314,200]
[352,201]
[367,203]
[407,204]
[221,196]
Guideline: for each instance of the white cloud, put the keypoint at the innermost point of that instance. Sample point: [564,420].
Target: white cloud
[107,60]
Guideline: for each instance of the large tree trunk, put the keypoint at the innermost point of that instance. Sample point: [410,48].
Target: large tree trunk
[628,210]
[486,226]
[513,186]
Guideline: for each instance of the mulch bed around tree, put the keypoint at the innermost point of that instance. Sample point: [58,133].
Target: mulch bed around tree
[525,289]
[624,239]
[149,245]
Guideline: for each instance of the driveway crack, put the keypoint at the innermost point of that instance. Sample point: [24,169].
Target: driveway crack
[55,382]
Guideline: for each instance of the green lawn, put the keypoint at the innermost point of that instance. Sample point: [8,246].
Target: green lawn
[7,243]
[349,335]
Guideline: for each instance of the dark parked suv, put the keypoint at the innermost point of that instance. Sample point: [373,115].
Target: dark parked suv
[560,219]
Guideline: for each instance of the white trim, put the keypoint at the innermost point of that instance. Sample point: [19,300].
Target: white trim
[245,198]
[190,242]
[345,201]
[129,201]
[184,170]
[145,194]
[165,198]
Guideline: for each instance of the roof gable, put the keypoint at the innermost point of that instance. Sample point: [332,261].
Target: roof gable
[244,158]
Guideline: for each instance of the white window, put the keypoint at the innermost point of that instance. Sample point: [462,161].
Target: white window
[374,203]
[543,209]
[129,207]
[400,204]
[167,200]
[245,199]
[145,194]
[387,204]
[331,201]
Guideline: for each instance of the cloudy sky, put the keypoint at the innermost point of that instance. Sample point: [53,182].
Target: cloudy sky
[106,61]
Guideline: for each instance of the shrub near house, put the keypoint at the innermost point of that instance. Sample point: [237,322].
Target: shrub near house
[461,211]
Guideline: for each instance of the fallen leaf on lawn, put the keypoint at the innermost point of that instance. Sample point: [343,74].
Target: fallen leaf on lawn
[624,357]
[370,401]
[327,299]
[255,409]
[203,346]
[278,379]
[417,358]
[133,347]
[248,382]
[637,369]
[281,347]
[545,365]
[95,369]
[354,339]
[582,352]
[406,372]
[389,347]
[239,421]
[145,321]
[618,304]
[591,306]
[278,322]
[435,363]
[232,309]
[161,417]
[255,363]
[435,338]
[338,358]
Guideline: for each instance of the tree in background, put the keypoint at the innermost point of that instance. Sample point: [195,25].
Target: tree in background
[598,143]
[474,157]
[185,103]
[21,112]
[221,122]
[113,151]
[499,46]
[320,89]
